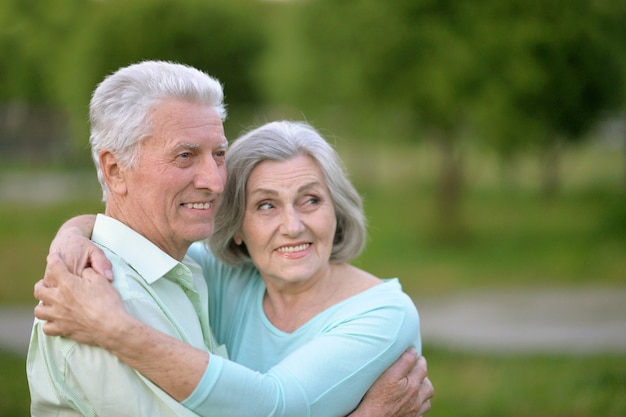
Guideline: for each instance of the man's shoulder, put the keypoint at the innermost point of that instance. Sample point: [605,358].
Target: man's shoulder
[55,353]
[127,281]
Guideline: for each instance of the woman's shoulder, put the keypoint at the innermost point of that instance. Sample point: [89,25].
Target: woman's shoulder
[372,286]
[378,294]
[390,291]
[383,310]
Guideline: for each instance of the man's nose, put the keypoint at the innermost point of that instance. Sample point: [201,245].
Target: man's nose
[210,175]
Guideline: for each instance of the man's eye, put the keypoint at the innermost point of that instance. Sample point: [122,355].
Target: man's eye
[185,155]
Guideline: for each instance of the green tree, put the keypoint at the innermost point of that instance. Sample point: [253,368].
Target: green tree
[518,73]
[555,72]
[410,59]
[222,38]
[53,53]
[32,36]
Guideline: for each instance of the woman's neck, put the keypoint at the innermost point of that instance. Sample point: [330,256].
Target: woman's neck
[292,305]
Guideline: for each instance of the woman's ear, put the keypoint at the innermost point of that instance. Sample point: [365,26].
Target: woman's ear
[113,173]
[237,239]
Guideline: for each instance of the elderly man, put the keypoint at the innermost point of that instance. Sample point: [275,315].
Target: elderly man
[158,144]
[159,147]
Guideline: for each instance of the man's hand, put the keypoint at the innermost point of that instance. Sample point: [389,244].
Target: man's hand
[76,306]
[403,390]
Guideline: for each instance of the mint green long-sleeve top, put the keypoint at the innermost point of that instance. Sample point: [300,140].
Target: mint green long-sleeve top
[67,378]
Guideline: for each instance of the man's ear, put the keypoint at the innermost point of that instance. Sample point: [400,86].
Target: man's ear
[114,174]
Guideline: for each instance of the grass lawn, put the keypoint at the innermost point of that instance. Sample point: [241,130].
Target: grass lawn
[525,386]
[466,385]
[15,399]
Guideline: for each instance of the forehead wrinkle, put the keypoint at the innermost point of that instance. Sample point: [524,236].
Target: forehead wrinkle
[310,185]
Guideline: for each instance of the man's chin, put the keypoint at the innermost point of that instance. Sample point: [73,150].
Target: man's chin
[200,234]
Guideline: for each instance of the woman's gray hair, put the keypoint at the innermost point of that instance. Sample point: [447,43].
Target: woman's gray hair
[283,141]
[120,107]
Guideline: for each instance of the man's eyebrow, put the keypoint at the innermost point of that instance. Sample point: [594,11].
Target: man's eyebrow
[188,146]
[194,146]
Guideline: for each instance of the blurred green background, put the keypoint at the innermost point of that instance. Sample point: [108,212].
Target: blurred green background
[488,139]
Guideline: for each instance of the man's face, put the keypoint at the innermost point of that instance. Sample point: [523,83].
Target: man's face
[172,193]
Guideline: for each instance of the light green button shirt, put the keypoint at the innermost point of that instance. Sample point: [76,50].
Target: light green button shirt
[67,378]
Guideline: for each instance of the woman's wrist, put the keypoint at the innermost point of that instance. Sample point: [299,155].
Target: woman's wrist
[118,334]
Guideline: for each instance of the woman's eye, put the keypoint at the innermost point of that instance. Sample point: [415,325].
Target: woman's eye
[265,206]
[313,200]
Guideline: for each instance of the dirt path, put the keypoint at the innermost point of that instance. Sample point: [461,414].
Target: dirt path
[559,320]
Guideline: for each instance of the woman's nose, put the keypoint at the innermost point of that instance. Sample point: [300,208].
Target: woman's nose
[292,222]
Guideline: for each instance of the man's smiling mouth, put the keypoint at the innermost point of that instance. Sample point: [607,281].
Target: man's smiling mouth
[198,206]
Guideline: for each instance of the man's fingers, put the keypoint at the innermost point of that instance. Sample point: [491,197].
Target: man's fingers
[50,328]
[418,381]
[40,311]
[43,312]
[425,408]
[426,393]
[403,366]
[42,292]
[420,370]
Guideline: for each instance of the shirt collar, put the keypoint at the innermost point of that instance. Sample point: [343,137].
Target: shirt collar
[142,255]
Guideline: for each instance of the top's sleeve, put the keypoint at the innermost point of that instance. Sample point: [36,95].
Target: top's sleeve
[109,387]
[327,376]
[91,381]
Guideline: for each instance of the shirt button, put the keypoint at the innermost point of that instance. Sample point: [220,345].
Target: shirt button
[179,272]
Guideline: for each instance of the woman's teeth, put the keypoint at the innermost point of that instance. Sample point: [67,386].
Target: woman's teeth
[294,248]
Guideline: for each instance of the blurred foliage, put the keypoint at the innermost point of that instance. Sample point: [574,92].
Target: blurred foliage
[557,66]
[32,36]
[515,77]
[516,240]
[57,51]
[513,74]
[513,239]
[511,78]
[212,36]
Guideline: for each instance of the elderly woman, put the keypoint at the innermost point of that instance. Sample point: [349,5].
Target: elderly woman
[284,299]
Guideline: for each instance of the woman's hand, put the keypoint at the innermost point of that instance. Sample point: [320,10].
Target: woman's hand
[84,308]
[78,252]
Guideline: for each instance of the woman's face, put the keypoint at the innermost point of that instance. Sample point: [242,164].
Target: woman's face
[289,221]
